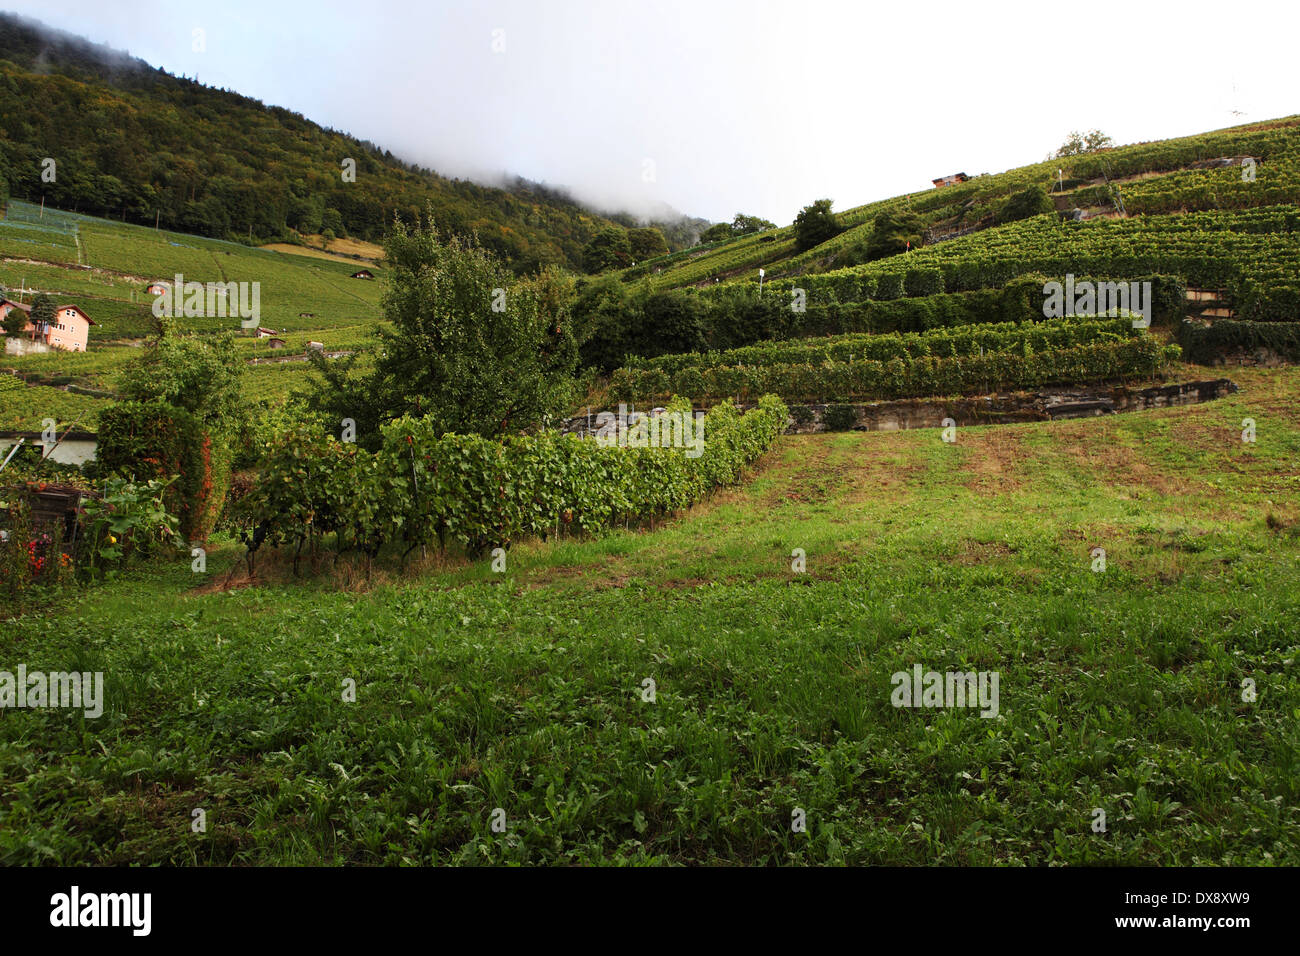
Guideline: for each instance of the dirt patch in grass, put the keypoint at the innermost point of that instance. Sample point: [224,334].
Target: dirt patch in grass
[876,463]
[802,474]
[1120,466]
[993,459]
[982,552]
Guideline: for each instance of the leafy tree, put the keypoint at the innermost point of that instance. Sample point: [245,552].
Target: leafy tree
[893,231]
[188,387]
[743,225]
[1079,143]
[1096,140]
[200,374]
[647,243]
[1028,202]
[476,350]
[607,249]
[815,224]
[306,215]
[671,322]
[717,233]
[333,221]
[15,322]
[606,321]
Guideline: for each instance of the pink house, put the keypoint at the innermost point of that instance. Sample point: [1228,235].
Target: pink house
[70,329]
[7,306]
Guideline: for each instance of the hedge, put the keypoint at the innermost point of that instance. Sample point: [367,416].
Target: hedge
[1204,343]
[145,440]
[964,340]
[906,377]
[420,488]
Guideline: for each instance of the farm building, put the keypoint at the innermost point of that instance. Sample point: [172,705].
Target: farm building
[156,288]
[265,333]
[363,274]
[275,343]
[952,180]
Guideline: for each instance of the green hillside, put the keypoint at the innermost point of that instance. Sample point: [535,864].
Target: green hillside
[1147,179]
[104,267]
[138,144]
[1211,222]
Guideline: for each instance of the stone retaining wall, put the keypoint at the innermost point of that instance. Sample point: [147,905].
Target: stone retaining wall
[999,409]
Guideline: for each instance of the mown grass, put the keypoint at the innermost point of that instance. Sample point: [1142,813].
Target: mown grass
[1120,690]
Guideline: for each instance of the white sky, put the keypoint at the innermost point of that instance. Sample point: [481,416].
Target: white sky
[753,105]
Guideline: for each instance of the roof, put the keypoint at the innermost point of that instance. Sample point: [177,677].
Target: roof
[16,305]
[79,309]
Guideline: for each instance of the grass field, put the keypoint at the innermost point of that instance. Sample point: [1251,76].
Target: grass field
[118,260]
[1121,690]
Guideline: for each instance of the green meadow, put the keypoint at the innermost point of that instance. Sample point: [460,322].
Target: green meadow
[1161,691]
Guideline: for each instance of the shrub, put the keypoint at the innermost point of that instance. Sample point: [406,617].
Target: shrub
[1031,201]
[1204,343]
[155,440]
[31,559]
[815,224]
[128,520]
[889,286]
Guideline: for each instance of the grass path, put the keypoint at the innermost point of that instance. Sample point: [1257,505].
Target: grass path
[1120,691]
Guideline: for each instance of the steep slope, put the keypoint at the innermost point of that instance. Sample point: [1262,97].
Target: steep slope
[1157,178]
[140,145]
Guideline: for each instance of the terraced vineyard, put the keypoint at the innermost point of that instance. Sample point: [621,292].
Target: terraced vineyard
[1218,212]
[909,366]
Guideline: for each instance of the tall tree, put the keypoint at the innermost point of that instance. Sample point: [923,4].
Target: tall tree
[647,243]
[743,225]
[43,311]
[895,231]
[608,249]
[200,374]
[15,322]
[1076,144]
[477,350]
[815,224]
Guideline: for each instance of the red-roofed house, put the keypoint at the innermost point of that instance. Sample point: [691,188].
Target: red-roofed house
[69,331]
[8,305]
